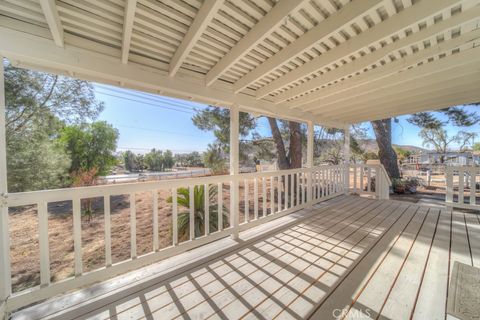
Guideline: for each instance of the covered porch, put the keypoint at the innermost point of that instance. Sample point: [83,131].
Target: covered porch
[350,257]
[297,244]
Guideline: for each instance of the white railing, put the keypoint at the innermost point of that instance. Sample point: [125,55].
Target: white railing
[261,197]
[462,187]
[369,179]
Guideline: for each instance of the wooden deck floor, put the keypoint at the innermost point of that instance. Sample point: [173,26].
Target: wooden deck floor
[355,258]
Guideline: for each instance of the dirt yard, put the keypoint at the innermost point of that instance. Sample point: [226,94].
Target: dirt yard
[23,221]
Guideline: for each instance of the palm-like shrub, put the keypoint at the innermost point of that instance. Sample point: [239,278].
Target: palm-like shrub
[183,200]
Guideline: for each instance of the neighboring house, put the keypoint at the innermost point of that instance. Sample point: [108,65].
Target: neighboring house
[449,158]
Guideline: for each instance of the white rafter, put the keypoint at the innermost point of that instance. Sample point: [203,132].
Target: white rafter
[53,20]
[452,97]
[400,21]
[418,90]
[313,36]
[105,69]
[200,23]
[464,58]
[349,87]
[274,18]
[128,18]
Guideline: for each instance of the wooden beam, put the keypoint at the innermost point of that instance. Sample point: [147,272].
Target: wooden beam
[433,82]
[103,68]
[355,86]
[53,20]
[391,26]
[462,59]
[408,97]
[464,97]
[128,18]
[274,18]
[455,95]
[203,17]
[312,37]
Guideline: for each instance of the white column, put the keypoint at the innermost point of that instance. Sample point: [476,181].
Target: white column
[234,169]
[346,156]
[5,282]
[310,138]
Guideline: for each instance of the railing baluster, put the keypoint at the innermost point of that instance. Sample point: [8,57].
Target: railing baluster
[292,193]
[272,195]
[191,218]
[175,216]
[77,236]
[155,220]
[473,186]
[206,201]
[287,190]
[255,198]
[133,226]
[449,178]
[461,178]
[43,244]
[298,200]
[279,193]
[264,197]
[247,204]
[220,206]
[354,178]
[108,230]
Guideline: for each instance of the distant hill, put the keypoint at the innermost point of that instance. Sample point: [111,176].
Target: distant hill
[370,145]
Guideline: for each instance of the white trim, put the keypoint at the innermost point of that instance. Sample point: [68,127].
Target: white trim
[380,31]
[346,88]
[410,95]
[128,17]
[204,15]
[50,11]
[93,66]
[307,40]
[234,170]
[274,18]
[5,275]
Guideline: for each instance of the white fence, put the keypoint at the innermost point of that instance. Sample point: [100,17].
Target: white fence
[260,196]
[369,179]
[462,187]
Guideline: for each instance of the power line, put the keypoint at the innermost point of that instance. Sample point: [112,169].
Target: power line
[157,130]
[146,103]
[154,98]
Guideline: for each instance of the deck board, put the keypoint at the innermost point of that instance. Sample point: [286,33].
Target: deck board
[383,259]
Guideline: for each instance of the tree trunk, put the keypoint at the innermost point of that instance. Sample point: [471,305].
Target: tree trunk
[283,163]
[388,157]
[295,152]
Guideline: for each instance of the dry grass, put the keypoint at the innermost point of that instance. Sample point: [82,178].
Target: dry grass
[25,260]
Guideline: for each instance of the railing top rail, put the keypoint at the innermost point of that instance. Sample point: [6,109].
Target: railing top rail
[54,195]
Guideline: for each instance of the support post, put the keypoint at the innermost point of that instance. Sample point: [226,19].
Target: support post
[234,170]
[346,159]
[310,138]
[5,281]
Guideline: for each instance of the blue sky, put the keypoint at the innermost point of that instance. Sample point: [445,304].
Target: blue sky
[147,121]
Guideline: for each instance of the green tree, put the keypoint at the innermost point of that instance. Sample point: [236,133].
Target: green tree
[440,141]
[38,106]
[215,160]
[130,160]
[90,146]
[168,160]
[476,146]
[155,160]
[402,154]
